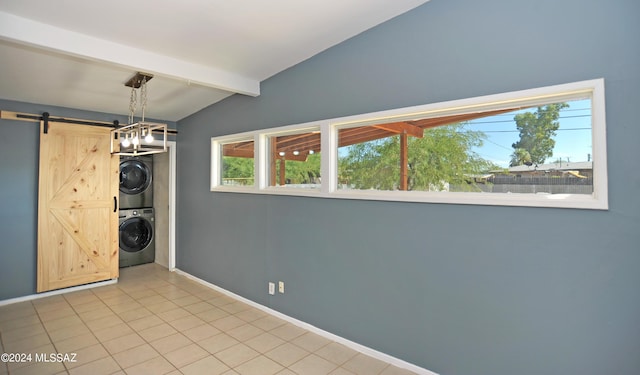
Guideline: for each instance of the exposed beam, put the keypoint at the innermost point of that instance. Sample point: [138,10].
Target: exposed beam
[453,119]
[363,134]
[238,153]
[402,127]
[299,142]
[40,35]
[299,157]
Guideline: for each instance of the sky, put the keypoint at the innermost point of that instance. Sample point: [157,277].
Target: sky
[573,138]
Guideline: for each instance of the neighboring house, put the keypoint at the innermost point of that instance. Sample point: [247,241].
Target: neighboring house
[582,169]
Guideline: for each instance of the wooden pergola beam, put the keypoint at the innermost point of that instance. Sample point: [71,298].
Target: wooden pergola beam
[402,128]
[454,119]
[404,161]
[282,171]
[238,153]
[348,137]
[290,156]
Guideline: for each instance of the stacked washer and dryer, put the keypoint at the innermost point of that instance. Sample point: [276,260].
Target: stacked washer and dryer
[137,229]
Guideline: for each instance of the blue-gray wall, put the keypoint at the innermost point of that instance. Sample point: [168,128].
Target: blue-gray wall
[466,290]
[19,144]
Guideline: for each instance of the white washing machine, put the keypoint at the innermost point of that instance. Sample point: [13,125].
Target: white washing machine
[137,237]
[136,181]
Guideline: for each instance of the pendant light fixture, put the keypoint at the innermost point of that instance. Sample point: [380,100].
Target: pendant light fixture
[142,137]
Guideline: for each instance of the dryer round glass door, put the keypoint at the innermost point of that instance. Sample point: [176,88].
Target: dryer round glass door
[135,234]
[135,177]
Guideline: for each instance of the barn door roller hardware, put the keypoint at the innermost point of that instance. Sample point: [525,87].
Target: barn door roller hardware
[46,118]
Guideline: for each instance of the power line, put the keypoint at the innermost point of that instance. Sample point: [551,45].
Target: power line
[516,131]
[525,110]
[499,145]
[496,121]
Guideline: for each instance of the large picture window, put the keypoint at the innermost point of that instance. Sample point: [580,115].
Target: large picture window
[541,147]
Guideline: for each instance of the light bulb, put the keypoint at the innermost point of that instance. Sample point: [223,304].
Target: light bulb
[311,152]
[148,138]
[296,152]
[281,153]
[125,142]
[135,140]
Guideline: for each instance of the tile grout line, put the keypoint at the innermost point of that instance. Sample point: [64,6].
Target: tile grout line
[178,287]
[116,286]
[290,341]
[93,334]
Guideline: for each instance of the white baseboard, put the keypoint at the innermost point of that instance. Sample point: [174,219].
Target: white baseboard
[348,343]
[56,292]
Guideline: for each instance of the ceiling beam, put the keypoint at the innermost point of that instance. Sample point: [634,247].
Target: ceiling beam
[40,35]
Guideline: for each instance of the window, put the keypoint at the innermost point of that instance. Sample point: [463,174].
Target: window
[541,147]
[236,161]
[294,159]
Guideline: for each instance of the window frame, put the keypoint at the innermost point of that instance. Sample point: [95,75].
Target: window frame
[594,89]
[266,157]
[217,143]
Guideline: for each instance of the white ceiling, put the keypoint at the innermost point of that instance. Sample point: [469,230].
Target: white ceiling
[79,53]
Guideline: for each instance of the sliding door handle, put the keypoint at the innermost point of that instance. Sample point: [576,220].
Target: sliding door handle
[115,204]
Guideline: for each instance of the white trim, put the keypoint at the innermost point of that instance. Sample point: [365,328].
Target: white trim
[216,160]
[215,163]
[329,145]
[329,163]
[599,145]
[172,150]
[261,179]
[56,292]
[348,343]
[172,204]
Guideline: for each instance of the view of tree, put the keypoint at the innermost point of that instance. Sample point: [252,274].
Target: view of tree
[237,171]
[240,171]
[454,157]
[302,172]
[537,130]
[444,155]
[520,156]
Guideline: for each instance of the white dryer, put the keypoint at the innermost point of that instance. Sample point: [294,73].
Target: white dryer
[137,237]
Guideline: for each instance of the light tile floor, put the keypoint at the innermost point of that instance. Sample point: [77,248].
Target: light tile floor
[157,322]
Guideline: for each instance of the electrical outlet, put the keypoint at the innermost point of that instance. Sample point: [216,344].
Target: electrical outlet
[281,287]
[272,288]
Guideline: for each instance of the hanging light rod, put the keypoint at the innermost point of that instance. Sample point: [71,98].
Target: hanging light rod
[136,80]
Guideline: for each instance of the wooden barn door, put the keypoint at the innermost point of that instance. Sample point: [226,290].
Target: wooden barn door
[77,207]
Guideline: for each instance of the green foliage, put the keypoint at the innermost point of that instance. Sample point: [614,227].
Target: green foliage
[301,172]
[444,155]
[237,171]
[537,130]
[520,157]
